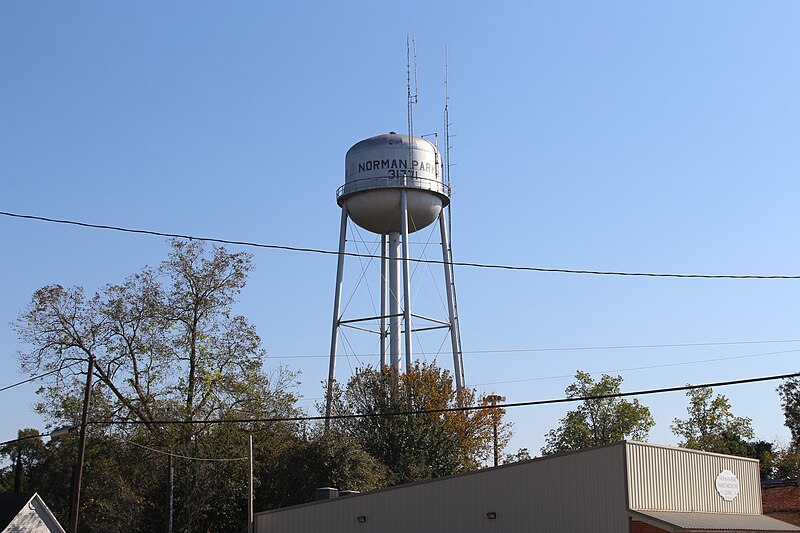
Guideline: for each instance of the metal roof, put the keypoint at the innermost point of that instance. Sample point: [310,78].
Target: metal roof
[16,511]
[708,522]
[595,490]
[11,505]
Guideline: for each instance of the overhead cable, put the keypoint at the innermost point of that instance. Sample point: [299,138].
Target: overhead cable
[34,378]
[594,373]
[210,459]
[568,349]
[370,256]
[26,437]
[648,367]
[214,459]
[645,392]
[530,350]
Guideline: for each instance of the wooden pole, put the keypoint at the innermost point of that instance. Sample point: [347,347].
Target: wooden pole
[78,475]
[250,525]
[170,494]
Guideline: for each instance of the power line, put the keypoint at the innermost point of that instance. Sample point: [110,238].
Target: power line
[681,363]
[214,459]
[34,378]
[663,365]
[430,261]
[645,392]
[631,346]
[570,348]
[527,350]
[647,367]
[561,376]
[27,437]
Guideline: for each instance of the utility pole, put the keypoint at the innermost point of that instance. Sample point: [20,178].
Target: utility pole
[493,399]
[170,494]
[250,525]
[76,481]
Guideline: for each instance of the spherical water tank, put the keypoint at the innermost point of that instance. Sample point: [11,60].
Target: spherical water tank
[378,168]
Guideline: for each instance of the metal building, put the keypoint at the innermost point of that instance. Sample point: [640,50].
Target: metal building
[626,487]
[26,513]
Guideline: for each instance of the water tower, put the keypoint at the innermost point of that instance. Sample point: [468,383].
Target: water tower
[394,186]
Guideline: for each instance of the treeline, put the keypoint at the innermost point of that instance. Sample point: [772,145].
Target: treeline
[710,424]
[167,347]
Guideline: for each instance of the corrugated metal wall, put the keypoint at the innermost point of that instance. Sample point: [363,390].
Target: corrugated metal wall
[576,493]
[661,478]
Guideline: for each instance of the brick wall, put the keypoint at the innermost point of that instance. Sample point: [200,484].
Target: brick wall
[782,502]
[642,527]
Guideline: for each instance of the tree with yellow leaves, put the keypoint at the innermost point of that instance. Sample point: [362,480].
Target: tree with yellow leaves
[407,430]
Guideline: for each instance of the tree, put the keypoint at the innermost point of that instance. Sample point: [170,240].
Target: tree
[786,463]
[418,446]
[521,454]
[301,465]
[789,392]
[116,489]
[711,426]
[167,346]
[598,420]
[24,455]
[164,341]
[766,454]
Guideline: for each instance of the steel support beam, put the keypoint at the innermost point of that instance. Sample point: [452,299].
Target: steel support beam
[394,300]
[337,302]
[384,281]
[406,276]
[452,311]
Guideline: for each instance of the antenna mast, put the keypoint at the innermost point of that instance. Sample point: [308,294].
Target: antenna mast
[446,123]
[447,250]
[411,44]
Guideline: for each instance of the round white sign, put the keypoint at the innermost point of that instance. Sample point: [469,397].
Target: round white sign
[727,485]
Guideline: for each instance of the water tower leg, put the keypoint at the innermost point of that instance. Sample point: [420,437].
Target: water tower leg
[337,302]
[406,277]
[455,334]
[383,301]
[394,300]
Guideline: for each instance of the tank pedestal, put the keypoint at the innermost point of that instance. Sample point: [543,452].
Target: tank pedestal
[394,300]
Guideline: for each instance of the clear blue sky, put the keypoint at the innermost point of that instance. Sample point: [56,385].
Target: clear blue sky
[641,136]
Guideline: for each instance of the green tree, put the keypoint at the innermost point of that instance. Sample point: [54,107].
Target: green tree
[598,419]
[301,465]
[24,455]
[418,446]
[786,463]
[789,392]
[115,488]
[766,454]
[521,454]
[167,345]
[711,426]
[165,341]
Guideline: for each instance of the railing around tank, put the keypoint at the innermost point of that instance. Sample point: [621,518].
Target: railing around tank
[391,182]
